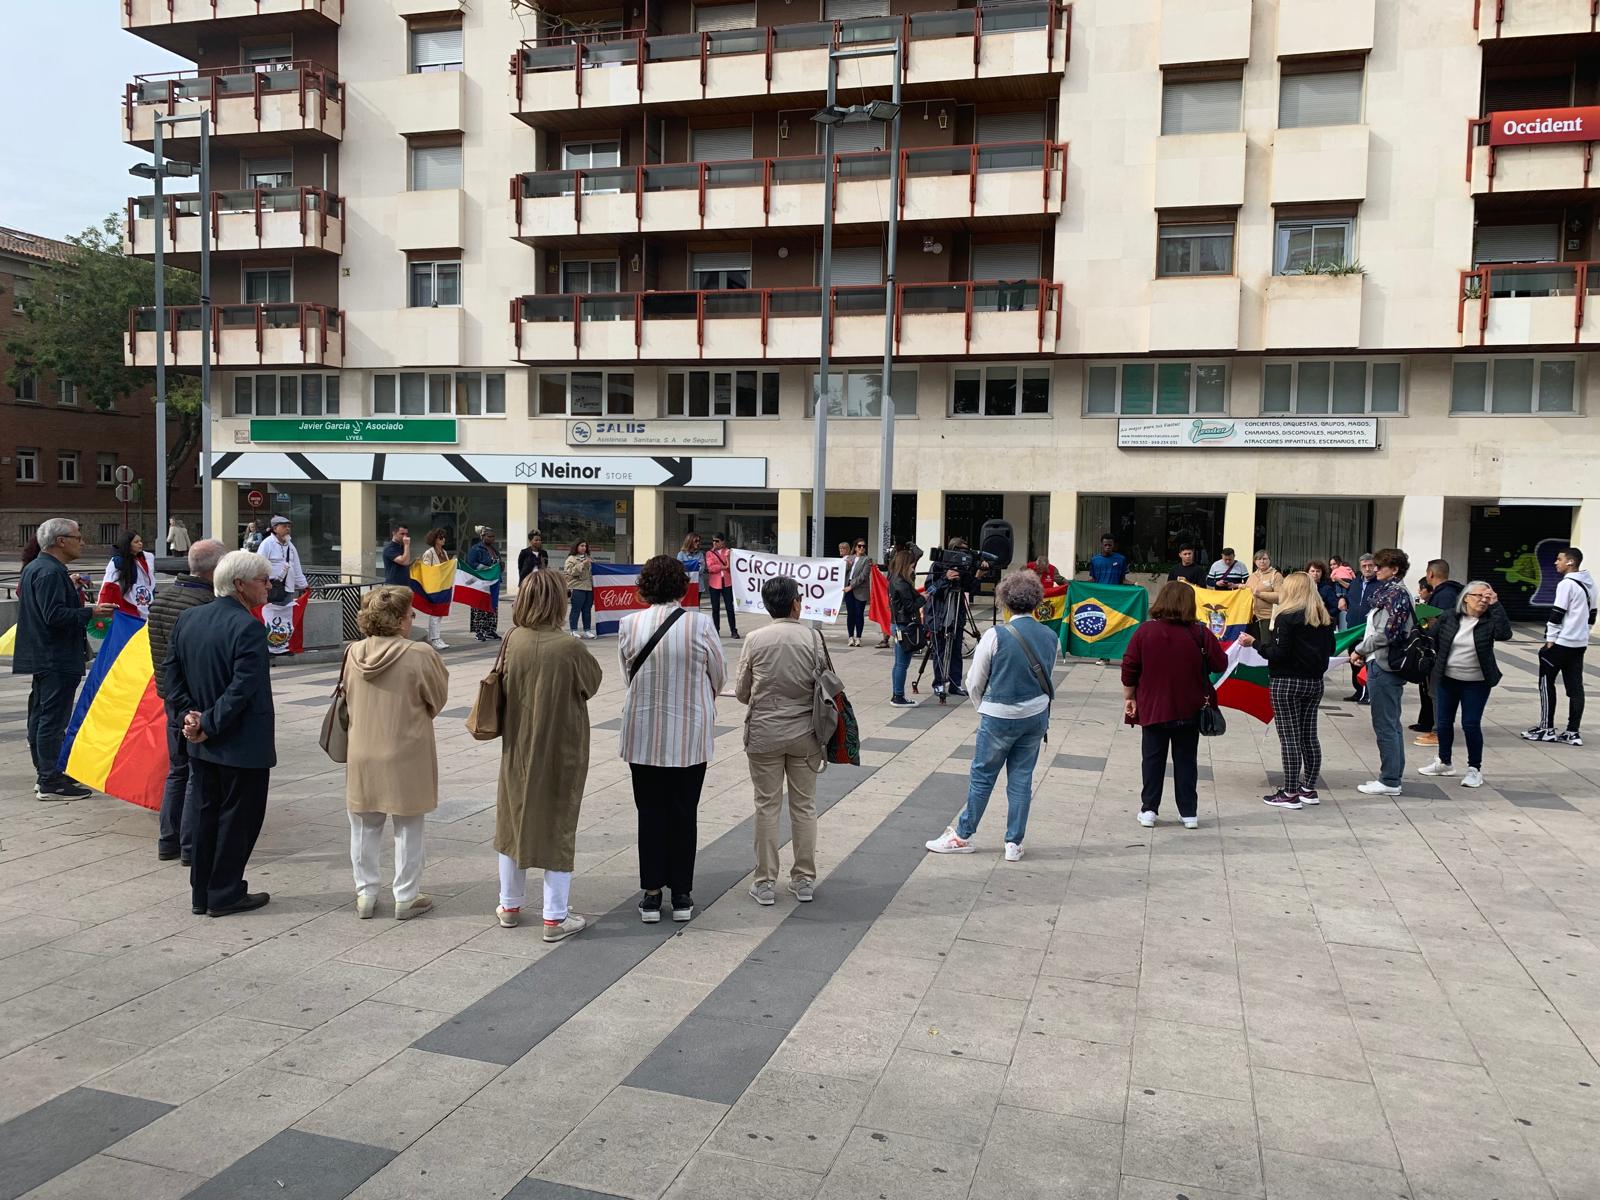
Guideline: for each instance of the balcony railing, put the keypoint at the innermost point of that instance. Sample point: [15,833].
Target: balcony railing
[313,321]
[966,298]
[173,11]
[314,84]
[1484,284]
[1492,14]
[313,204]
[635,47]
[767,174]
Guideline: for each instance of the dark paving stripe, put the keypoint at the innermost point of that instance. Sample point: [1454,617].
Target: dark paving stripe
[1411,790]
[520,1013]
[456,712]
[719,1049]
[927,714]
[61,1133]
[543,1189]
[1539,800]
[884,745]
[1079,762]
[305,1166]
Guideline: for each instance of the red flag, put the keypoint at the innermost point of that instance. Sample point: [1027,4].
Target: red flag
[878,611]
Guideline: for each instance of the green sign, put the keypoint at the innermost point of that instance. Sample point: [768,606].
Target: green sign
[335,429]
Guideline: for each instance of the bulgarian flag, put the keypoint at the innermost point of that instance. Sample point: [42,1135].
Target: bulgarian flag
[431,587]
[478,587]
[1244,683]
[116,740]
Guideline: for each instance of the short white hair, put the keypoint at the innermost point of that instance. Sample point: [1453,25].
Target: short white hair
[237,565]
[53,530]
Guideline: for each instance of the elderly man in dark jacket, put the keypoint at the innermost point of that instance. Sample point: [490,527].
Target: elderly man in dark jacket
[218,676]
[1357,604]
[51,624]
[179,802]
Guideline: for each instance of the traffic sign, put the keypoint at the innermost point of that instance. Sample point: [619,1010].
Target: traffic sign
[255,499]
[124,493]
[124,474]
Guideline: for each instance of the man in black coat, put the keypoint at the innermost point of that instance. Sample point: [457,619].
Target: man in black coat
[1357,604]
[218,675]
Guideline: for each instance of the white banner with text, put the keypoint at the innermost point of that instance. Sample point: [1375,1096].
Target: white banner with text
[821,582]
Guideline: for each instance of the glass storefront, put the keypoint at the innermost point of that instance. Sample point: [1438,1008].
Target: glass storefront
[313,511]
[566,518]
[420,509]
[748,520]
[1149,529]
[1295,531]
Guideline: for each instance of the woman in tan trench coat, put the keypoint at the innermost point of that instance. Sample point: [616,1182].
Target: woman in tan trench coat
[544,753]
[394,688]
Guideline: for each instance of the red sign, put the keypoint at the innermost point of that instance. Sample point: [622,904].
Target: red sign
[1531,126]
[255,500]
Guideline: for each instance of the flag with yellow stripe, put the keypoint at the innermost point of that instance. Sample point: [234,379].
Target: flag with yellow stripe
[116,741]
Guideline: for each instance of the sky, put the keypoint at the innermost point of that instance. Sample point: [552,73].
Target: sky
[63,67]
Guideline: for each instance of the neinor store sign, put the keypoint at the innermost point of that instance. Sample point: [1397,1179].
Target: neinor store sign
[1531,126]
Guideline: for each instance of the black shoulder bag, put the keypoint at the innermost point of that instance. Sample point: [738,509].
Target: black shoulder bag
[661,632]
[1212,722]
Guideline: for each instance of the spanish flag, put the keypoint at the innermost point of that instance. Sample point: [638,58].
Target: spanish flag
[431,587]
[116,740]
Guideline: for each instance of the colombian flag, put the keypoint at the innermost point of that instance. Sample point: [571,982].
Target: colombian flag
[1224,613]
[1101,618]
[117,738]
[479,587]
[431,587]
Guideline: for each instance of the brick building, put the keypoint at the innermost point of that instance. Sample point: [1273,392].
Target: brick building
[58,453]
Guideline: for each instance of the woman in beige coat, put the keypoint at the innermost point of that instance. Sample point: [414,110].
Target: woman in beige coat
[544,754]
[394,688]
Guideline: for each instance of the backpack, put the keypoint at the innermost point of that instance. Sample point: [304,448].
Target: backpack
[1413,656]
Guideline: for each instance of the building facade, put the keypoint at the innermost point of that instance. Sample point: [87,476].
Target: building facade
[59,454]
[1249,272]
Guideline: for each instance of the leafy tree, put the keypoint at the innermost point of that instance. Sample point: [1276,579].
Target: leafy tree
[74,321]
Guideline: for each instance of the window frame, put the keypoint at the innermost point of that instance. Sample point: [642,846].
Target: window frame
[66,394]
[63,459]
[1183,78]
[415,148]
[1283,227]
[733,373]
[983,369]
[26,389]
[536,404]
[1333,66]
[21,290]
[1294,364]
[873,373]
[105,469]
[1178,227]
[432,266]
[327,399]
[589,264]
[1121,365]
[29,456]
[1539,361]
[442,66]
[245,272]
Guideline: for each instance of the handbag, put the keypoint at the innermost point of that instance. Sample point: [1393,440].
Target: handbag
[833,720]
[1212,722]
[661,631]
[277,592]
[487,719]
[335,736]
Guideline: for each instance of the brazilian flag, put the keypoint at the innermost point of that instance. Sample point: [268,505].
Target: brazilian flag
[1101,617]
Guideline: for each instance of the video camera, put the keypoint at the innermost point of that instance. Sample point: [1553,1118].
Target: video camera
[963,562]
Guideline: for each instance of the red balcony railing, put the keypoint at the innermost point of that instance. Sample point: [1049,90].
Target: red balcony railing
[313,204]
[212,85]
[970,161]
[579,51]
[1478,135]
[966,297]
[314,322]
[1495,10]
[1523,281]
[172,8]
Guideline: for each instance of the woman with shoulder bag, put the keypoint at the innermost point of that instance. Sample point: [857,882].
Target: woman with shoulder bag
[905,613]
[579,573]
[393,689]
[1297,657]
[1464,673]
[1166,681]
[547,680]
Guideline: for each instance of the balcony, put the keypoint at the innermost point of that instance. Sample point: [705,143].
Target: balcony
[242,335]
[1013,318]
[1495,19]
[1529,304]
[428,102]
[275,220]
[1212,32]
[1312,312]
[1200,170]
[1022,181]
[178,25]
[288,102]
[431,220]
[1545,166]
[1198,314]
[1010,51]
[1320,162]
[1307,28]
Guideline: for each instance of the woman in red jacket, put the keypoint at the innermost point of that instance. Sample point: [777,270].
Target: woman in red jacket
[1166,680]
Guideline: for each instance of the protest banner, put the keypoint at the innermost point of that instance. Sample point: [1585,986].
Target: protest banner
[821,582]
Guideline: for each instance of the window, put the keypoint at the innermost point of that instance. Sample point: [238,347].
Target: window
[109,532]
[1194,249]
[267,173]
[26,534]
[436,50]
[269,287]
[67,466]
[585,156]
[435,284]
[1514,385]
[480,394]
[105,474]
[27,466]
[1340,387]
[1000,390]
[435,167]
[67,393]
[1200,105]
[709,17]
[1161,389]
[579,278]
[859,393]
[21,289]
[1319,98]
[717,270]
[445,393]
[585,393]
[26,387]
[731,393]
[285,395]
[1310,245]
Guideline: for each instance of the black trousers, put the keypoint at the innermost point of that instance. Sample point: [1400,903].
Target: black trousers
[233,804]
[668,800]
[1566,662]
[1425,714]
[723,598]
[1182,739]
[49,709]
[180,799]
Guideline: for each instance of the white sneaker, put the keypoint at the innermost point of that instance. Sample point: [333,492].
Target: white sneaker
[565,928]
[949,843]
[1147,819]
[1376,787]
[1473,778]
[1437,767]
[1191,822]
[588,635]
[366,905]
[1013,852]
[439,644]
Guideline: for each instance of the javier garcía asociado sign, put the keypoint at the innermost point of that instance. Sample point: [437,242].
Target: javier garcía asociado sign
[353,429]
[1256,433]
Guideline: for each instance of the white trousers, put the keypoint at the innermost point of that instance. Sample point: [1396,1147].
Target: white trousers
[514,889]
[366,848]
[433,628]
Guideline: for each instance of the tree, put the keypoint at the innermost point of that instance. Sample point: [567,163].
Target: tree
[75,318]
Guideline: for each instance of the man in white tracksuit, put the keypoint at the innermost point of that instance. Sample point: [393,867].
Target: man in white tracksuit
[1566,637]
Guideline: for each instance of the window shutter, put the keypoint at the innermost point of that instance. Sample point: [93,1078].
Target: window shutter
[1011,127]
[435,48]
[1209,106]
[723,144]
[720,260]
[844,10]
[856,264]
[858,135]
[709,18]
[1509,95]
[1516,243]
[435,167]
[1005,260]
[1329,98]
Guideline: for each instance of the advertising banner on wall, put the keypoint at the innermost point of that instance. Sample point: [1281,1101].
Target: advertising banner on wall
[821,582]
[1253,433]
[534,470]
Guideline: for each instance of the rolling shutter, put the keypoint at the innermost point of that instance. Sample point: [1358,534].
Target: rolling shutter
[1005,260]
[1516,243]
[1208,106]
[1011,127]
[1510,95]
[844,10]
[722,144]
[435,48]
[857,264]
[435,167]
[1327,98]
[709,18]
[858,135]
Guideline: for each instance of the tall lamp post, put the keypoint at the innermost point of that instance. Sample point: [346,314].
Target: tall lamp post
[158,169]
[831,114]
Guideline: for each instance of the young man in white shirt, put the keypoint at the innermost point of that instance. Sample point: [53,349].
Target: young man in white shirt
[1566,637]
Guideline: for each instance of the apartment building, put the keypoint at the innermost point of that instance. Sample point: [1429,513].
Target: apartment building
[1311,274]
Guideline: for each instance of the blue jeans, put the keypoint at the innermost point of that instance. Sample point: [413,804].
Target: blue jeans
[1014,744]
[580,605]
[903,655]
[1386,690]
[855,615]
[1472,695]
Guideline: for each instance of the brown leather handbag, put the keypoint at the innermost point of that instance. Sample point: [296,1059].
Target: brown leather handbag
[487,719]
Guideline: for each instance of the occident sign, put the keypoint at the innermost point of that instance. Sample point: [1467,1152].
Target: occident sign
[1534,125]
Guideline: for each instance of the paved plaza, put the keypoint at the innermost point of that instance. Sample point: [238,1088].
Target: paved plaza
[1370,1000]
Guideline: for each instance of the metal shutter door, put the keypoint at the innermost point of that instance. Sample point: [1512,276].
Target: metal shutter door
[722,144]
[843,10]
[1006,260]
[1011,127]
[1509,95]
[1331,98]
[858,135]
[1209,106]
[433,47]
[857,264]
[709,18]
[1516,243]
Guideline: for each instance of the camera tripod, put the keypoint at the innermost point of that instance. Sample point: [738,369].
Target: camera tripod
[938,647]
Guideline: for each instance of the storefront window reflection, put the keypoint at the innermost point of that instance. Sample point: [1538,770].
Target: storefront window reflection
[1149,529]
[312,511]
[421,509]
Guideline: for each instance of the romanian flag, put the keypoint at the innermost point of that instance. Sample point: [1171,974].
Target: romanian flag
[1101,617]
[1225,613]
[878,611]
[431,587]
[1052,611]
[478,587]
[8,642]
[116,740]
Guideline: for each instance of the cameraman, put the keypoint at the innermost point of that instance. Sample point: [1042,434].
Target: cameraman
[949,594]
